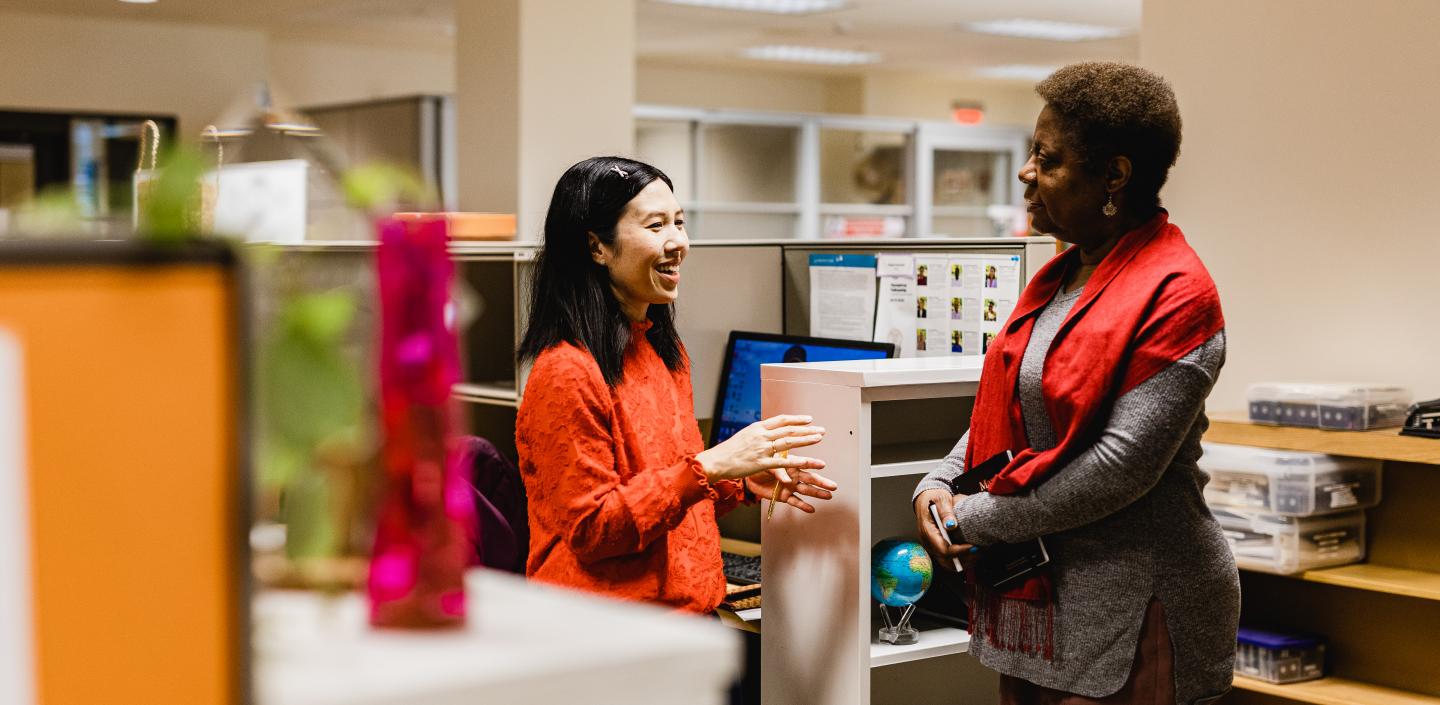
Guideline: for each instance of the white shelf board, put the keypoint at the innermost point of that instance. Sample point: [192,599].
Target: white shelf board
[941,641]
[493,394]
[879,373]
[870,209]
[914,467]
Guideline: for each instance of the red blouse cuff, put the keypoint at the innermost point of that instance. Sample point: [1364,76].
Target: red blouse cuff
[691,483]
[746,496]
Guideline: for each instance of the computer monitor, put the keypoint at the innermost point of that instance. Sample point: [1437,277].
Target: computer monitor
[737,400]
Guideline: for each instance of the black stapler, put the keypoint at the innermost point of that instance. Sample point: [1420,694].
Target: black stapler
[1423,419]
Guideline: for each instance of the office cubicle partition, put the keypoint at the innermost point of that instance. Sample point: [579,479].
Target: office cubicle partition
[134,567]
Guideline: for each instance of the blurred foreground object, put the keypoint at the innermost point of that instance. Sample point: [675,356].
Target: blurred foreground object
[316,454]
[526,644]
[133,405]
[426,511]
[472,226]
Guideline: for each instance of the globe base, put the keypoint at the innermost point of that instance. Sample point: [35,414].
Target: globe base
[900,635]
[898,632]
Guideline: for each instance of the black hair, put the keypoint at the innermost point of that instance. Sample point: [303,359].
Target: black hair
[1108,109]
[571,298]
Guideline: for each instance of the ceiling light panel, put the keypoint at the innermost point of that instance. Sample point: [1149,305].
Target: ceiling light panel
[1016,72]
[812,55]
[774,7]
[1046,29]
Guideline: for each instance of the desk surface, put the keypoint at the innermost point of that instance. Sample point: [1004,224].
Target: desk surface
[524,643]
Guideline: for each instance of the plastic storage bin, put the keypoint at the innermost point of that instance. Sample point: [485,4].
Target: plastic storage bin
[1345,407]
[1272,543]
[1279,657]
[1293,483]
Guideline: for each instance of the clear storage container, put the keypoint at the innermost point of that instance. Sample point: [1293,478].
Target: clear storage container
[1294,483]
[1272,543]
[1346,407]
[1279,657]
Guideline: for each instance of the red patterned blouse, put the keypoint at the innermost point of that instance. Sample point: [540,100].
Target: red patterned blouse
[618,503]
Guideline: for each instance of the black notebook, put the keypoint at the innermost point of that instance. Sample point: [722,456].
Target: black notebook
[999,565]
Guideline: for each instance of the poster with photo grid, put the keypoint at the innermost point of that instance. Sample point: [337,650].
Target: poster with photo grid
[944,304]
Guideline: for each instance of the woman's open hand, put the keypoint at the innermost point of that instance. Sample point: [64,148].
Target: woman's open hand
[764,445]
[805,483]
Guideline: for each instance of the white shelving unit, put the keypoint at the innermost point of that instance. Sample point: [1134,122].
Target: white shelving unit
[785,174]
[819,639]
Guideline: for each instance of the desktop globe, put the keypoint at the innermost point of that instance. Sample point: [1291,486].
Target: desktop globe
[900,573]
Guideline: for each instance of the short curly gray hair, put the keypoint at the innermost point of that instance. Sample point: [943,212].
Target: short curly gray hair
[1108,109]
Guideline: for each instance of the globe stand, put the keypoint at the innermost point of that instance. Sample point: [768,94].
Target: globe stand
[899,633]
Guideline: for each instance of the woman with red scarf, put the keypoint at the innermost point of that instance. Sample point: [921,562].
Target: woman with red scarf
[1097,386]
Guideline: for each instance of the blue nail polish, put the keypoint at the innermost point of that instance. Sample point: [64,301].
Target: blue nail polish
[949,523]
[974,549]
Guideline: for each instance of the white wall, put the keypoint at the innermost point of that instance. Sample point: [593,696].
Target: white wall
[1307,181]
[191,71]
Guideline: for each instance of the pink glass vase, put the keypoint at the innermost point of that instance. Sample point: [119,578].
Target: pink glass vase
[425,512]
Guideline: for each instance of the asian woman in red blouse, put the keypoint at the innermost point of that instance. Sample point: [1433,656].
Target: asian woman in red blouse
[623,494]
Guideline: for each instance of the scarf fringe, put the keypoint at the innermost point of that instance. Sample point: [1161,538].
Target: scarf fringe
[1013,624]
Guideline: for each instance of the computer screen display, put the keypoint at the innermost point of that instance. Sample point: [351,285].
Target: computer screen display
[737,400]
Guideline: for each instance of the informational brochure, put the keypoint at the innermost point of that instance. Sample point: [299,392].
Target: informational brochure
[895,319]
[842,296]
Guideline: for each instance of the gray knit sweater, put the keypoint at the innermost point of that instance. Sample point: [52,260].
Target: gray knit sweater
[1124,522]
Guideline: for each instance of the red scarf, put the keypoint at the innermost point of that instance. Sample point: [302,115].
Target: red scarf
[1148,304]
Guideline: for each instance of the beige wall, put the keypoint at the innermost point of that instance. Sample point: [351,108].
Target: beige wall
[322,73]
[880,93]
[527,108]
[191,71]
[1307,181]
[198,73]
[931,97]
[707,87]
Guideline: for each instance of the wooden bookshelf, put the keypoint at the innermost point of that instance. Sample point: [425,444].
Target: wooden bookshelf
[1419,584]
[1336,691]
[1381,444]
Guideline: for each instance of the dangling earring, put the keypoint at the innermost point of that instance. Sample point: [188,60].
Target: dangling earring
[1109,209]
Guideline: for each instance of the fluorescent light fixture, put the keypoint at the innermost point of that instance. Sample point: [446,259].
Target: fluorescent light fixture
[1017,72]
[774,7]
[811,55]
[1046,29]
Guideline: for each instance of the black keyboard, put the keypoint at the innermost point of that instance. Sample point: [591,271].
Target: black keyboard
[741,570]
